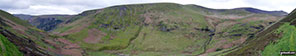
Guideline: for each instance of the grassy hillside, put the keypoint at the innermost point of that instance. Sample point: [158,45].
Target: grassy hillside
[20,33]
[14,19]
[285,43]
[157,29]
[8,48]
[277,37]
[29,40]
[162,29]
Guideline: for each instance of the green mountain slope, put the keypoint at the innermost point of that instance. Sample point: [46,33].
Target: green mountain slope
[162,29]
[19,38]
[285,43]
[8,48]
[18,32]
[154,29]
[277,37]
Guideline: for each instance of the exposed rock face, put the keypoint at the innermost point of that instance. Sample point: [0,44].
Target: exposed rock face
[46,24]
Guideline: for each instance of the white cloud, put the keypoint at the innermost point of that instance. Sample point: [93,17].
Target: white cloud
[286,5]
[223,4]
[38,7]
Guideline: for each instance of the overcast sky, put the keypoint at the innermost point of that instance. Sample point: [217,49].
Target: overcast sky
[40,7]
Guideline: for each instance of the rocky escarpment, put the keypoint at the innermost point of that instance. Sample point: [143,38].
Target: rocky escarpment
[44,22]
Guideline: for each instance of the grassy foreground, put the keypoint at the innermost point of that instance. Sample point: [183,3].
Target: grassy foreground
[8,48]
[283,44]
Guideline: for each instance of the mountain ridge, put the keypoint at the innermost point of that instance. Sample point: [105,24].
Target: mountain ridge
[155,29]
[150,22]
[250,9]
[49,28]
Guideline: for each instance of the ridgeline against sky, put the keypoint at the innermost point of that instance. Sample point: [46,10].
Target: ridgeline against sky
[40,7]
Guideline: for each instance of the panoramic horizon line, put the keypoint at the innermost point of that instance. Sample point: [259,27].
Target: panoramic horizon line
[144,4]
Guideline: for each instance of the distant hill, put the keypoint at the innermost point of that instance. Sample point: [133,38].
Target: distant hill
[47,20]
[23,16]
[254,10]
[249,9]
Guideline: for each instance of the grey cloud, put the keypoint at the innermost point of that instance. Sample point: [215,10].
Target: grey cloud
[14,4]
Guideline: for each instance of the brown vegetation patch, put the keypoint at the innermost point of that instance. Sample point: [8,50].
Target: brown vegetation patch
[212,21]
[221,44]
[231,16]
[67,43]
[51,42]
[236,42]
[148,19]
[14,25]
[63,51]
[71,52]
[73,30]
[67,48]
[19,28]
[211,50]
[269,18]
[224,25]
[79,24]
[94,36]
